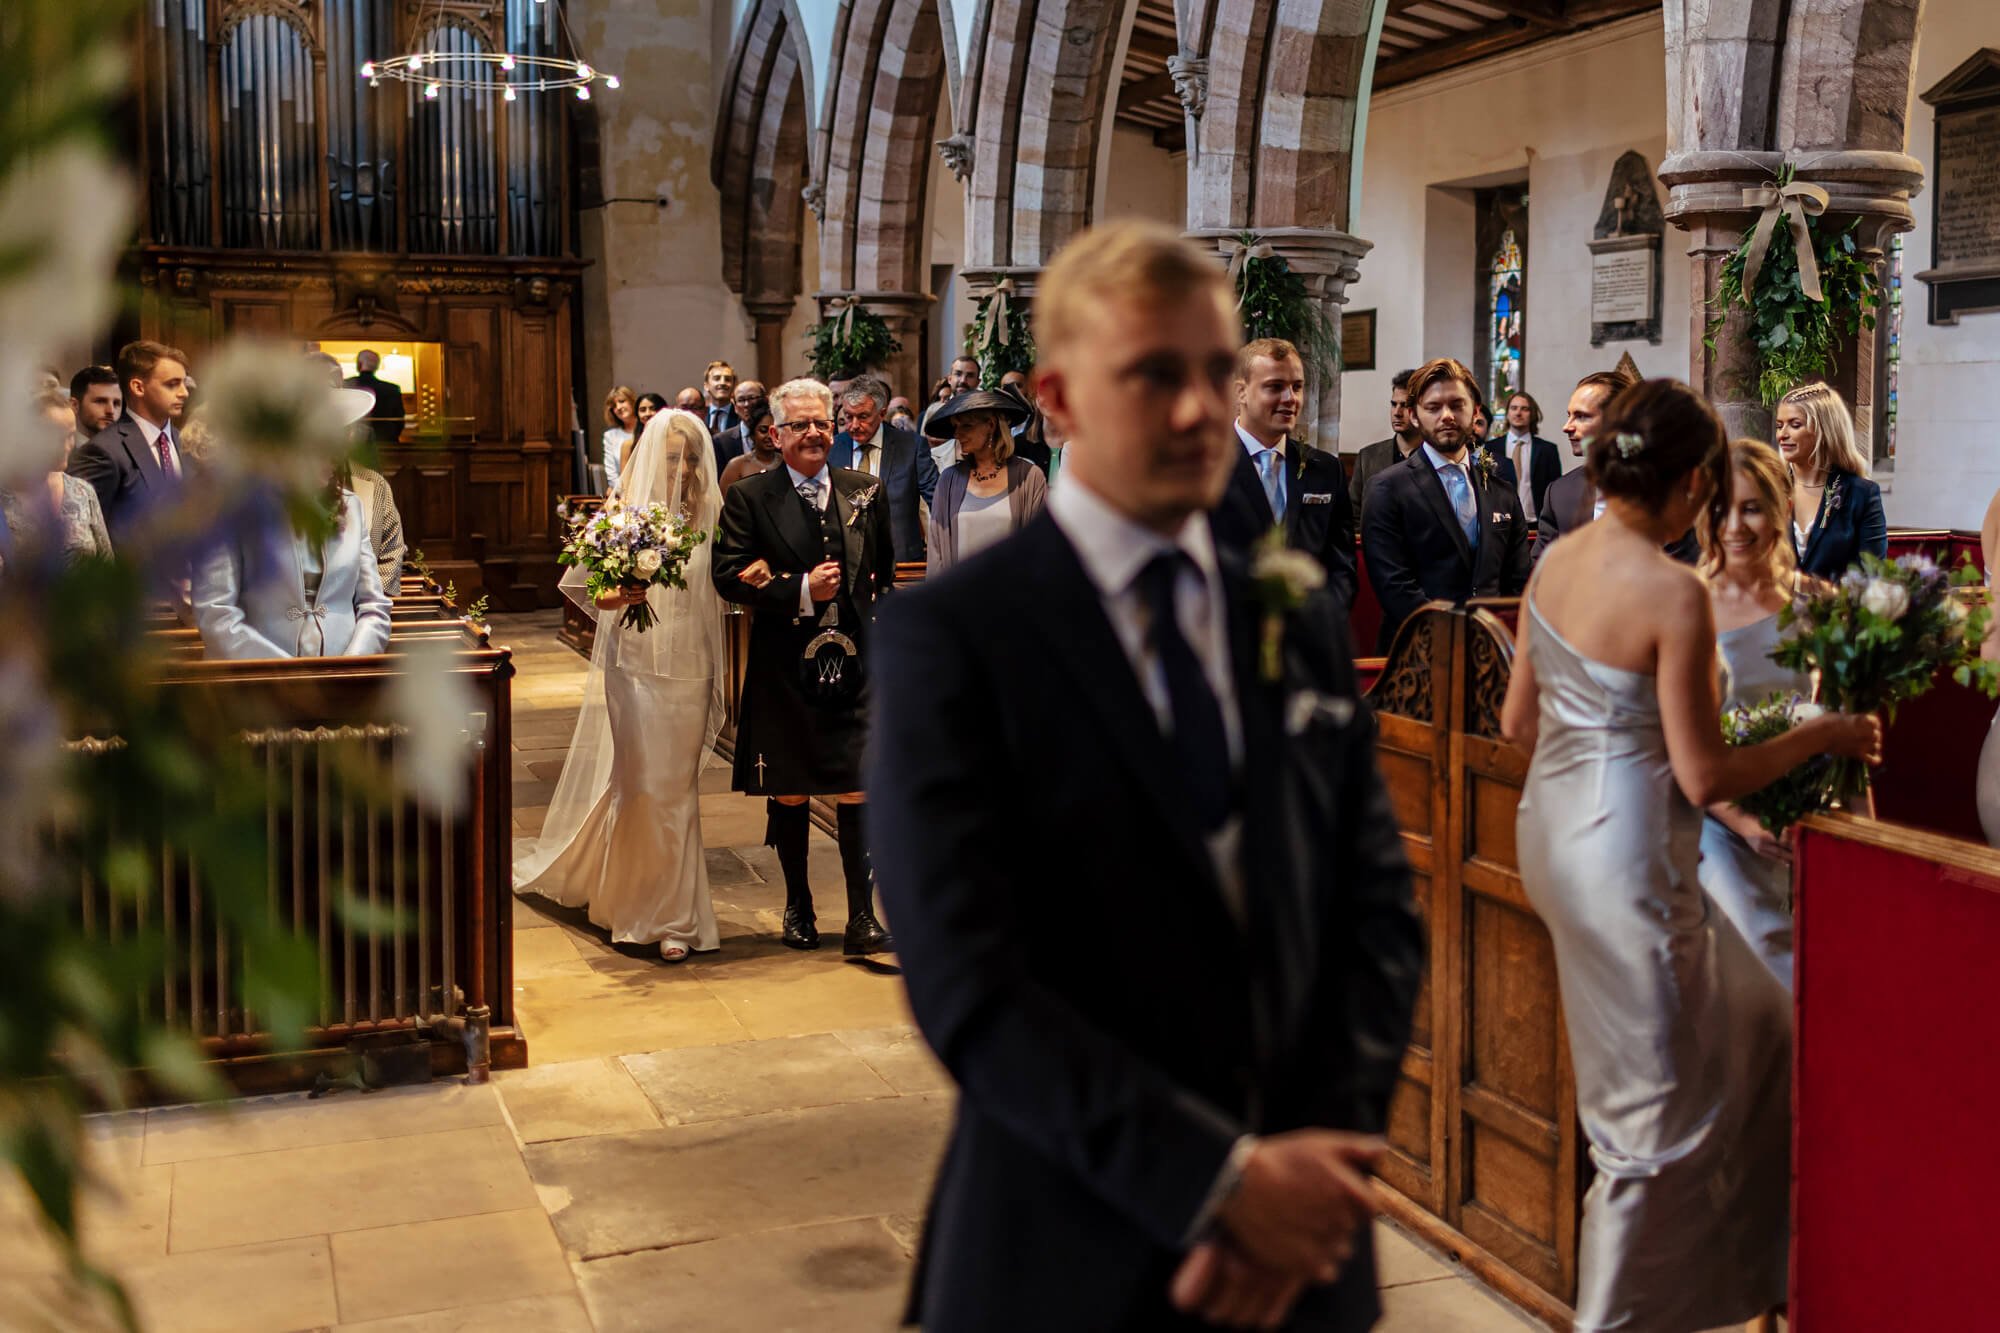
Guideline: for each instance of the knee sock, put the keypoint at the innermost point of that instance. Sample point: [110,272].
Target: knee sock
[786,830]
[854,861]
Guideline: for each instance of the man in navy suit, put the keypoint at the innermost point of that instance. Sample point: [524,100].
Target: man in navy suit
[1446,522]
[734,442]
[718,387]
[1278,482]
[1185,1134]
[134,464]
[900,459]
[1534,460]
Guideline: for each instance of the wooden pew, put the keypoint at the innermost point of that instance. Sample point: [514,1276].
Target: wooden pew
[315,726]
[1894,1156]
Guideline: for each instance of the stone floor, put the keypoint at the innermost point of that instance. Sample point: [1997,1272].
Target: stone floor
[743,1141]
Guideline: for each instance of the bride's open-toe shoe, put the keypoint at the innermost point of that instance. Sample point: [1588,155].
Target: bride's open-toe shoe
[673,953]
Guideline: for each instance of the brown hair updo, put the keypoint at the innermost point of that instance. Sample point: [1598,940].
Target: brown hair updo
[1653,435]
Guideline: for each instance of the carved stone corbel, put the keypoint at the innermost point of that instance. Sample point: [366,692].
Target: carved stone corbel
[815,196]
[1190,75]
[957,154]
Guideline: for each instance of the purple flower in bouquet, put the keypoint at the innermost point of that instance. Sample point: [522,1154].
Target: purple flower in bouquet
[622,547]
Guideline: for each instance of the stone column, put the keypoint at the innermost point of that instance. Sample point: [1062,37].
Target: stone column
[1705,199]
[768,316]
[1328,260]
[904,313]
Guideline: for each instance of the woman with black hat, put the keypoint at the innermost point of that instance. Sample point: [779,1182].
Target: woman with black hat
[988,494]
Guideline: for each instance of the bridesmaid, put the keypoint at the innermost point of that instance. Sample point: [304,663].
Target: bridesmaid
[1751,575]
[1836,510]
[1680,1038]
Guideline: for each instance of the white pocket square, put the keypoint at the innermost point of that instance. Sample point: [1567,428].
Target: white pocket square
[1307,707]
[1317,498]
[1502,518]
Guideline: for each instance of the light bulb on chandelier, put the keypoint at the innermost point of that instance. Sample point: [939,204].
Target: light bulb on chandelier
[472,70]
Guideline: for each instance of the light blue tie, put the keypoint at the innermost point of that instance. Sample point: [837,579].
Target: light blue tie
[1274,489]
[1460,491]
[809,491]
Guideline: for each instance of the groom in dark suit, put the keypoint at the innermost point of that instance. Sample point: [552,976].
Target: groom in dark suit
[1446,522]
[1276,480]
[1176,997]
[807,547]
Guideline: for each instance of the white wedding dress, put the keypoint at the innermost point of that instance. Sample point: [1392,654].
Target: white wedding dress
[623,833]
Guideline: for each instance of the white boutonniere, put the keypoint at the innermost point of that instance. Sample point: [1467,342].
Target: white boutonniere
[860,503]
[1482,457]
[1283,578]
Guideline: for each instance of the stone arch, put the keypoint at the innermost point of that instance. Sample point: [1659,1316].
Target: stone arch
[875,147]
[1286,86]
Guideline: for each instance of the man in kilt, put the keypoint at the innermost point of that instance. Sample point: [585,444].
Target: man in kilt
[807,546]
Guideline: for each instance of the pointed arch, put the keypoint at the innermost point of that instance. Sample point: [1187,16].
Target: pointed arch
[759,158]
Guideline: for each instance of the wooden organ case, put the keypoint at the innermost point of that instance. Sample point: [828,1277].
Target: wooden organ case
[287,198]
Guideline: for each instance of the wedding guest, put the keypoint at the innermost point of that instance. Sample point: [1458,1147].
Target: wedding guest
[621,427]
[942,392]
[1278,481]
[385,522]
[990,493]
[1680,1037]
[1535,460]
[1482,420]
[691,400]
[49,512]
[1836,510]
[96,399]
[901,415]
[385,423]
[1752,575]
[1572,500]
[1404,437]
[1446,522]
[964,375]
[763,455]
[1028,442]
[622,837]
[809,550]
[899,459]
[718,384]
[270,590]
[735,442]
[1187,1134]
[135,463]
[650,404]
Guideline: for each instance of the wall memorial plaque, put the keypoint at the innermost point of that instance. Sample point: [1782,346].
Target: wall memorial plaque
[1357,340]
[1964,276]
[1625,256]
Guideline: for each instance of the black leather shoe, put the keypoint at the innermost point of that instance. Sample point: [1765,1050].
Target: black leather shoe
[865,935]
[799,934]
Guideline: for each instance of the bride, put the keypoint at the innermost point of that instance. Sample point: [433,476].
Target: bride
[1680,1037]
[623,833]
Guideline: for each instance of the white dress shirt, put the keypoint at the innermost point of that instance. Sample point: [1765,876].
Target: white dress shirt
[825,495]
[152,434]
[1521,448]
[1255,447]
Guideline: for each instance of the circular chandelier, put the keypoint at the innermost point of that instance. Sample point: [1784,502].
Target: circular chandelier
[434,71]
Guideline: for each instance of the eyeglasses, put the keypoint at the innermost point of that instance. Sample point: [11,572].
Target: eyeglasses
[805,427]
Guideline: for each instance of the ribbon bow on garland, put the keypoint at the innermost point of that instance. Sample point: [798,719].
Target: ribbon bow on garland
[1797,201]
[840,313]
[994,332]
[1240,254]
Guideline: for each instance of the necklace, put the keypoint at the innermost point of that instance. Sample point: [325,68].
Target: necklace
[990,472]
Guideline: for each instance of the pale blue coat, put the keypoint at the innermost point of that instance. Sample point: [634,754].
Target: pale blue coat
[250,599]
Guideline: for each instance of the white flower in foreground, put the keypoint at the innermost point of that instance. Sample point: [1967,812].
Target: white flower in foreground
[1297,571]
[1886,598]
[1805,710]
[648,563]
[434,702]
[273,415]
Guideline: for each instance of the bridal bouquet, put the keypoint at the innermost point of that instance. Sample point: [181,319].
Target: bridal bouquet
[630,547]
[1806,789]
[1880,636]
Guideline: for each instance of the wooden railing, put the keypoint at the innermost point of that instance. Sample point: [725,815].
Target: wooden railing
[319,732]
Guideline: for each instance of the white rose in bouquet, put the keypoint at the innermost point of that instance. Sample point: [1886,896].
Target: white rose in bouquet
[648,563]
[1804,710]
[1886,599]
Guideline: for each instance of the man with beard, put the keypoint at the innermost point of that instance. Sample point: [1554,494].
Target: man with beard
[1440,524]
[1403,439]
[1278,481]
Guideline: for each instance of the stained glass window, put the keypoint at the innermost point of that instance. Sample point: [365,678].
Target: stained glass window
[1890,353]
[1507,330]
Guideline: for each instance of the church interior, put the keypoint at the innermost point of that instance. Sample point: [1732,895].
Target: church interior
[478,1109]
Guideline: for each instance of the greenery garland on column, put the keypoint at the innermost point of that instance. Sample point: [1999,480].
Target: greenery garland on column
[1804,284]
[1276,303]
[1001,335]
[851,339]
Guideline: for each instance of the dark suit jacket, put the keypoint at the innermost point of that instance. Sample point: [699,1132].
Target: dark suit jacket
[1571,502]
[730,420]
[385,423]
[1417,553]
[1850,521]
[1368,464]
[729,446]
[1544,465]
[125,472]
[1099,1103]
[909,474]
[1317,518]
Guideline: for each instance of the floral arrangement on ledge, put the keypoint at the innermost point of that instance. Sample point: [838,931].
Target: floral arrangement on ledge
[1805,290]
[851,339]
[1275,303]
[1001,335]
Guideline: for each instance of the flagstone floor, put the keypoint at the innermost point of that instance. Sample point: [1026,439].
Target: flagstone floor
[744,1141]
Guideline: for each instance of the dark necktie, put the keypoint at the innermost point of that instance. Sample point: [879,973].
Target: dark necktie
[1201,745]
[165,445]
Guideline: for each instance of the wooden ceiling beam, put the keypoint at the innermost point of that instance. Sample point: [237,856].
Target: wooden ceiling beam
[1154,45]
[1542,13]
[1450,54]
[1141,91]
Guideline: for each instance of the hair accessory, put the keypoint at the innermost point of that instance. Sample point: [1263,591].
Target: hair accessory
[1628,443]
